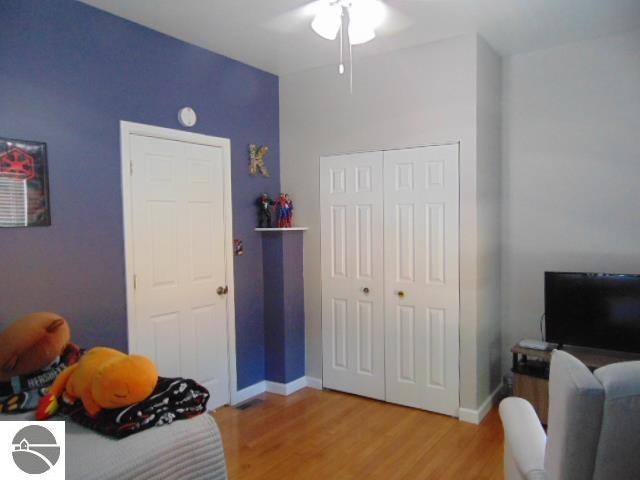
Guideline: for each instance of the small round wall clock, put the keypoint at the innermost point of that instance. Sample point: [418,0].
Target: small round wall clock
[187,117]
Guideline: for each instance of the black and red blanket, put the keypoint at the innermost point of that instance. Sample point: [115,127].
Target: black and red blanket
[172,399]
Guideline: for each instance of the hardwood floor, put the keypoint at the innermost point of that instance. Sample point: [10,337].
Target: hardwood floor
[328,435]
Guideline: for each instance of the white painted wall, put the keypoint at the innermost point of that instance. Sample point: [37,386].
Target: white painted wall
[418,96]
[489,151]
[571,186]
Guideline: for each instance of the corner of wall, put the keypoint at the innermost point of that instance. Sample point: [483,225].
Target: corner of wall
[489,161]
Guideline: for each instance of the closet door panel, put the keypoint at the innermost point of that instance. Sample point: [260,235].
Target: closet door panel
[351,192]
[422,284]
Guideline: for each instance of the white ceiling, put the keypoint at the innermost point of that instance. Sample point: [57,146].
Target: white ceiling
[275,35]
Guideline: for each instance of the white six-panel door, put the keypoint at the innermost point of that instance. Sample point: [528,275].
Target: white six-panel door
[390,225]
[421,280]
[352,271]
[177,204]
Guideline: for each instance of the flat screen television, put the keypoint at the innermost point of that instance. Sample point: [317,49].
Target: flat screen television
[597,310]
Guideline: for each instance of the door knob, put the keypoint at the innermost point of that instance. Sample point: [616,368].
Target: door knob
[222,290]
[365,290]
[401,294]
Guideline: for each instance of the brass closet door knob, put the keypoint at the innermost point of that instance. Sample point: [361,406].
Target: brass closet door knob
[401,294]
[365,289]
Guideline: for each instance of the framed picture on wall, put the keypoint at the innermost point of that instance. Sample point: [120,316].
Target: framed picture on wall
[24,184]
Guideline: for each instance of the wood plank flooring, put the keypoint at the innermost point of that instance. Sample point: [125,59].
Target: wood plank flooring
[316,434]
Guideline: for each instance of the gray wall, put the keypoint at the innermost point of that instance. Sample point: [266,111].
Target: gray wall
[417,96]
[489,153]
[571,187]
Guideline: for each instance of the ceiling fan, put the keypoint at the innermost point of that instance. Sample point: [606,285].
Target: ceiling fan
[352,22]
[361,16]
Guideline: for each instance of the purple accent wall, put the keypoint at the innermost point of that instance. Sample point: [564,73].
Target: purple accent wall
[274,338]
[69,74]
[284,305]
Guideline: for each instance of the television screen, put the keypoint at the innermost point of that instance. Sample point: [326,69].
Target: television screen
[598,310]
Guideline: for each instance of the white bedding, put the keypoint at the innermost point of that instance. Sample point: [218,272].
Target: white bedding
[186,449]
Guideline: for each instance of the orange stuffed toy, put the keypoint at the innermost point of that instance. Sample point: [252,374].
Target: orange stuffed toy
[31,343]
[103,378]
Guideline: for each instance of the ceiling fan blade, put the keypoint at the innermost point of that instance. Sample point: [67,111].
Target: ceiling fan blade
[295,20]
[299,18]
[396,20]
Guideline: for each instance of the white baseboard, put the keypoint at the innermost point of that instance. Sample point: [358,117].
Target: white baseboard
[464,414]
[476,416]
[286,388]
[248,392]
[275,387]
[313,382]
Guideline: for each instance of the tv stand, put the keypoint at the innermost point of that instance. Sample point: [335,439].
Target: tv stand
[531,371]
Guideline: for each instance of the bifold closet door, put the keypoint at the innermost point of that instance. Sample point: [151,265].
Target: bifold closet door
[421,277]
[352,273]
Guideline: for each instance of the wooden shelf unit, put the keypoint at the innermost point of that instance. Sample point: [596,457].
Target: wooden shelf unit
[531,371]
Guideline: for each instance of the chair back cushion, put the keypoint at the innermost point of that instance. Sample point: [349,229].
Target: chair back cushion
[618,453]
[576,401]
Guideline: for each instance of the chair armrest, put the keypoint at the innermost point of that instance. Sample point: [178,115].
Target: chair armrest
[525,440]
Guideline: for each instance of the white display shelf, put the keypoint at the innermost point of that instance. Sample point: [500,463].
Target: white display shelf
[292,229]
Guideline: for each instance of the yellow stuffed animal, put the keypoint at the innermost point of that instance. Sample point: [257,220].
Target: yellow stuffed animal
[103,378]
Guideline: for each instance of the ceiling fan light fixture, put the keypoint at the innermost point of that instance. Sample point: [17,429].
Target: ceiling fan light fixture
[363,17]
[327,21]
[360,32]
[372,12]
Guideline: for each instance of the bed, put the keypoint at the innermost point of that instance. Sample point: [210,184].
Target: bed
[186,449]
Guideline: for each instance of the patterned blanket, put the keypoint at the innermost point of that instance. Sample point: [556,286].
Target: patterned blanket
[172,399]
[23,393]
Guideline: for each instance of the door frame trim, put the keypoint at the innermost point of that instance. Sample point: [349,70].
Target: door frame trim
[127,129]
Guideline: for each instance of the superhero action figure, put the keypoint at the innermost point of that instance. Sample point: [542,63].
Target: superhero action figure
[284,211]
[264,204]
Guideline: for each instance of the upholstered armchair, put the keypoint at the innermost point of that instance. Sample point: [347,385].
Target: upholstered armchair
[594,425]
